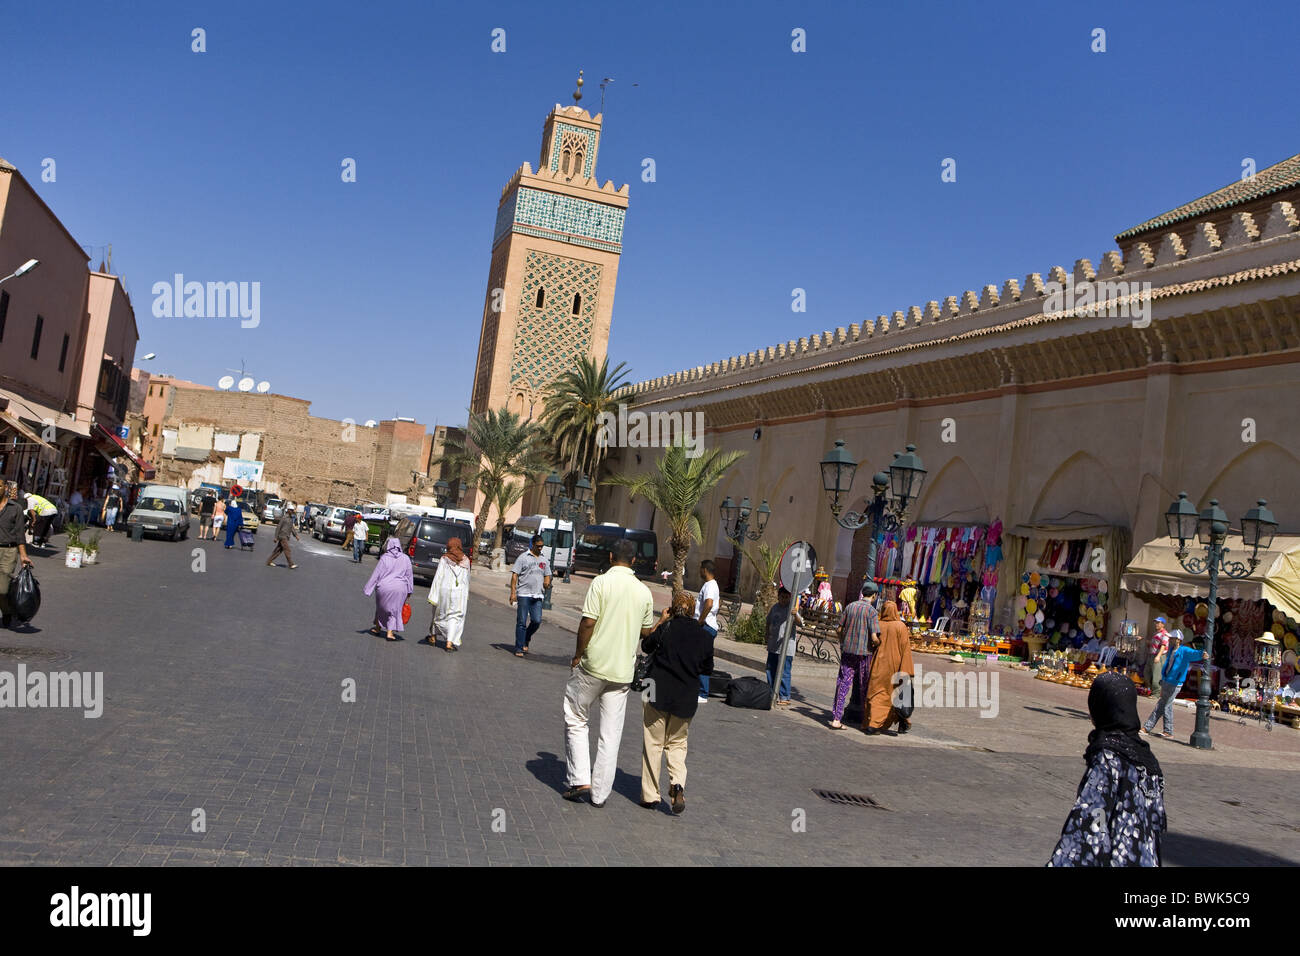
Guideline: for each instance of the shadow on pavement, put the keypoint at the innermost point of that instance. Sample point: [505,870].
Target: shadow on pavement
[549,769]
[1184,849]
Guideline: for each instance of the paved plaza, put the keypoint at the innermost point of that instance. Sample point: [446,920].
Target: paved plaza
[224,693]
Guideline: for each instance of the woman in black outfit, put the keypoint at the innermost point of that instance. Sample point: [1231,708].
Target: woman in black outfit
[681,650]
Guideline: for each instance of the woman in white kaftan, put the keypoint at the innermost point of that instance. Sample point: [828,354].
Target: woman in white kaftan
[449,595]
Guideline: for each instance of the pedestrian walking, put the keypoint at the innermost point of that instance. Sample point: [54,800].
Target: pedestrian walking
[1173,674]
[1119,809]
[1157,647]
[530,578]
[234,521]
[77,506]
[449,595]
[218,518]
[112,505]
[618,611]
[391,583]
[706,612]
[859,629]
[892,655]
[284,528]
[207,508]
[13,545]
[680,651]
[359,532]
[777,615]
[348,524]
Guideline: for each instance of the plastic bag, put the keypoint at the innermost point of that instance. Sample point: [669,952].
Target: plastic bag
[25,595]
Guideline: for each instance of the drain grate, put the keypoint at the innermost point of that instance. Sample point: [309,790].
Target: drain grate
[33,655]
[849,799]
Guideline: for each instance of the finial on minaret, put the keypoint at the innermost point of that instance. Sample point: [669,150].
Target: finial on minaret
[577,94]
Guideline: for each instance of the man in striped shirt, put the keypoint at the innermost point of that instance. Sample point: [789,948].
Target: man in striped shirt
[859,628]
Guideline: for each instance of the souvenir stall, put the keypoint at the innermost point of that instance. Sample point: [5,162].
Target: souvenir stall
[942,573]
[1267,602]
[817,603]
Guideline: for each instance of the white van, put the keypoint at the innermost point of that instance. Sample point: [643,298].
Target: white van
[521,539]
[162,510]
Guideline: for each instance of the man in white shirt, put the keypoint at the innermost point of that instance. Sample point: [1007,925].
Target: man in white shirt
[706,611]
[359,531]
[529,579]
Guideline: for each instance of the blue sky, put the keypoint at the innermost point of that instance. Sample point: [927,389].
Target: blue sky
[775,170]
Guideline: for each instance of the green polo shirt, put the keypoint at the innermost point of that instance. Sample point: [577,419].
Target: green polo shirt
[621,606]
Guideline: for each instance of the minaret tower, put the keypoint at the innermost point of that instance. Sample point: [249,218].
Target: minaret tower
[555,250]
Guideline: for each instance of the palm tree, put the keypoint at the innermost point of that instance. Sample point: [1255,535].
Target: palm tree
[498,446]
[506,495]
[571,416]
[675,487]
[767,561]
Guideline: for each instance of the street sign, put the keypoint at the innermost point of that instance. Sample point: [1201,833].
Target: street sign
[798,558]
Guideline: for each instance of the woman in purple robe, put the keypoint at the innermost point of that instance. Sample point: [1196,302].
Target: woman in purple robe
[391,583]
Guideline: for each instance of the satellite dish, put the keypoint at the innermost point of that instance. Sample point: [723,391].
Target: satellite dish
[370,423]
[245,384]
[225,381]
[264,387]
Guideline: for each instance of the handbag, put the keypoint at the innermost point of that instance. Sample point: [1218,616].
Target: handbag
[642,669]
[406,613]
[904,695]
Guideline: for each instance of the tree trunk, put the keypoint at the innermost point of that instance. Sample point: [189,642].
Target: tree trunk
[680,550]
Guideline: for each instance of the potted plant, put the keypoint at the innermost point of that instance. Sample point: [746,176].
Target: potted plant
[90,548]
[75,551]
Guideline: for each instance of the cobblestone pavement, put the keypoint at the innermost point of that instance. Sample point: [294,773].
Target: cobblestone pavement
[225,694]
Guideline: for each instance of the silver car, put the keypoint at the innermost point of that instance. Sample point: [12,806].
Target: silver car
[272,510]
[329,524]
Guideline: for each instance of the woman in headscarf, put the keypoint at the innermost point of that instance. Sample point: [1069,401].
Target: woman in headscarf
[1119,812]
[391,583]
[449,596]
[893,655]
[234,521]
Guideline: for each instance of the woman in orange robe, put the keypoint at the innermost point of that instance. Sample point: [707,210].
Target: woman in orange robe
[893,656]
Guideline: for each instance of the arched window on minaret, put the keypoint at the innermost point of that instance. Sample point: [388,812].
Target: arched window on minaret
[577,302]
[541,297]
[564,163]
[577,163]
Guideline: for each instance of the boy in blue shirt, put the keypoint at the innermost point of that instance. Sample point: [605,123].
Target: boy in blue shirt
[1172,677]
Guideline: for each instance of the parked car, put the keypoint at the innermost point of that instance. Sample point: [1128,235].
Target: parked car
[329,523]
[521,537]
[161,510]
[251,521]
[272,509]
[591,551]
[425,540]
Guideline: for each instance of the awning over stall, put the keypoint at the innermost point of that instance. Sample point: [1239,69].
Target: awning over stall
[1155,570]
[11,421]
[111,447]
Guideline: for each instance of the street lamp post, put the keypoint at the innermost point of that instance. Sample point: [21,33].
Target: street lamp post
[1211,528]
[22,270]
[735,526]
[562,508]
[893,493]
[441,492]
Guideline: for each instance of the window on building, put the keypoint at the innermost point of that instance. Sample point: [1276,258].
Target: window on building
[155,431]
[577,302]
[63,352]
[564,165]
[4,311]
[36,336]
[541,297]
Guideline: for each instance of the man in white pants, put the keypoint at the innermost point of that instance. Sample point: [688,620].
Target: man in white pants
[617,613]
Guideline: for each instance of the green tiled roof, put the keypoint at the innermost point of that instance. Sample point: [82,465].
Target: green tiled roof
[1274,179]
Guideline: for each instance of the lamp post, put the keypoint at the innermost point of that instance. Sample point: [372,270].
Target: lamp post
[562,507]
[893,493]
[1211,528]
[22,270]
[441,492]
[735,526]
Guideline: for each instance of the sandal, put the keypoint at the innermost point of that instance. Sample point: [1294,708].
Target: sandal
[376,631]
[836,725]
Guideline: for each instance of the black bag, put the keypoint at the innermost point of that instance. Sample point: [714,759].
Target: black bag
[720,682]
[749,692]
[903,693]
[25,595]
[643,662]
